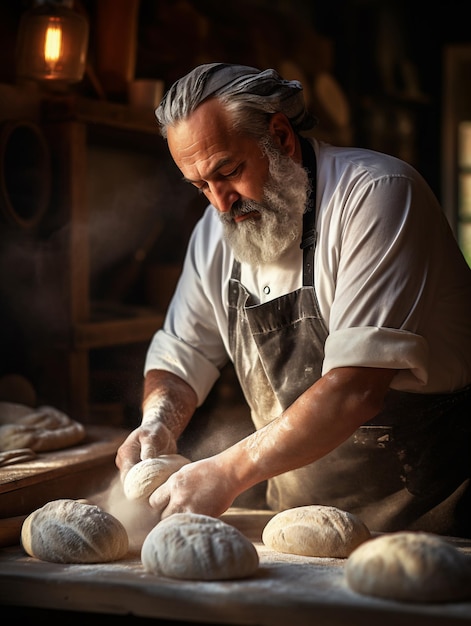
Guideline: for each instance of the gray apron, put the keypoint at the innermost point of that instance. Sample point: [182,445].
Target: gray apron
[408,468]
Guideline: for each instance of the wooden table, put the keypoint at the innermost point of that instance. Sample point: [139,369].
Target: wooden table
[286,590]
[74,472]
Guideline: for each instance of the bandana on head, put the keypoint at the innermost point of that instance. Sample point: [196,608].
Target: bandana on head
[213,79]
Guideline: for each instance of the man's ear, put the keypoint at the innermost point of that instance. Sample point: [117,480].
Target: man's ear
[282,133]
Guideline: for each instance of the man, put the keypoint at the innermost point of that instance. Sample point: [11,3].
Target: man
[330,278]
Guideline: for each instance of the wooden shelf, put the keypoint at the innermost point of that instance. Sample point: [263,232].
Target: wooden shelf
[74,124]
[137,327]
[114,115]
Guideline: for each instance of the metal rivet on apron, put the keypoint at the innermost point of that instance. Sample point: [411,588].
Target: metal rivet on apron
[266,290]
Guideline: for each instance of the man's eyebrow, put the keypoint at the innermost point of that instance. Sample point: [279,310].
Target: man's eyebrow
[219,164]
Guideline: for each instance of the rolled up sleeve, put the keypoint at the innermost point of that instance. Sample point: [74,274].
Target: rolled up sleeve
[171,354]
[380,347]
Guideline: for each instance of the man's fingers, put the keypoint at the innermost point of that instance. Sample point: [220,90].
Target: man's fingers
[124,469]
[159,498]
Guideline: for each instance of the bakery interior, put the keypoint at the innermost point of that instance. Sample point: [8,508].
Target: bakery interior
[94,223]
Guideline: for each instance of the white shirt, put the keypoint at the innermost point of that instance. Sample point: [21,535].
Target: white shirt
[393,287]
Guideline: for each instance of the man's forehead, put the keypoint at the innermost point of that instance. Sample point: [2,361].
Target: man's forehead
[202,143]
[209,124]
[209,115]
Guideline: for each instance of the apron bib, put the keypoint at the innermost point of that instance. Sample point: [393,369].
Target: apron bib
[409,467]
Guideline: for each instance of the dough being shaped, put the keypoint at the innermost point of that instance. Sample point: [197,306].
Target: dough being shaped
[144,477]
[315,530]
[410,566]
[198,547]
[73,531]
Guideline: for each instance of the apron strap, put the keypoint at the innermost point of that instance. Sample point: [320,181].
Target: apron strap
[309,239]
[235,274]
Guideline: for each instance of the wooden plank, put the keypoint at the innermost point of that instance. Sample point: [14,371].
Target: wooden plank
[10,530]
[116,116]
[116,332]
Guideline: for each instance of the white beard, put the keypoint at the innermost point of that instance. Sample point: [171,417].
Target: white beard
[265,240]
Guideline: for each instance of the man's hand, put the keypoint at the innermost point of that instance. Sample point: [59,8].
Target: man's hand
[200,487]
[148,441]
[169,402]
[322,418]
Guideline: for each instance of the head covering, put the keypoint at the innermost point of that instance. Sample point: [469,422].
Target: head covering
[272,92]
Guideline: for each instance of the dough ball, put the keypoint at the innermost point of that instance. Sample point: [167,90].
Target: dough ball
[315,530]
[411,567]
[73,531]
[198,547]
[144,477]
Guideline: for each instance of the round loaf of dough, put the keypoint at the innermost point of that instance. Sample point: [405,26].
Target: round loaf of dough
[73,531]
[144,477]
[411,567]
[315,530]
[198,547]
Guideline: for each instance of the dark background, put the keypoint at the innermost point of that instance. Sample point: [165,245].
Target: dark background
[385,60]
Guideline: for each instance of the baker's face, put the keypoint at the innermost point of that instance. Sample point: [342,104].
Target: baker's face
[258,188]
[222,164]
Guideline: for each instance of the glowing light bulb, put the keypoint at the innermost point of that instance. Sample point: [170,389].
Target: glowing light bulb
[53,45]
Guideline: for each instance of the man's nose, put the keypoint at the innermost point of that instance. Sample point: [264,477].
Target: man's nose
[224,197]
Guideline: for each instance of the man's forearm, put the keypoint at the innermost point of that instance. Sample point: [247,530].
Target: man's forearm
[168,399]
[168,405]
[317,422]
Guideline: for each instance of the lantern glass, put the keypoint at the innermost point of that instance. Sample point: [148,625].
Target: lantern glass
[52,43]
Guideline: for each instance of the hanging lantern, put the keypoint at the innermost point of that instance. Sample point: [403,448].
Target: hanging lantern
[52,43]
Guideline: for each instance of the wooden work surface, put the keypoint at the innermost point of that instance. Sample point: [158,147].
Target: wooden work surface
[287,589]
[99,444]
[69,473]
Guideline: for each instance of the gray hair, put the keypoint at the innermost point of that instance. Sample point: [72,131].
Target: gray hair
[249,94]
